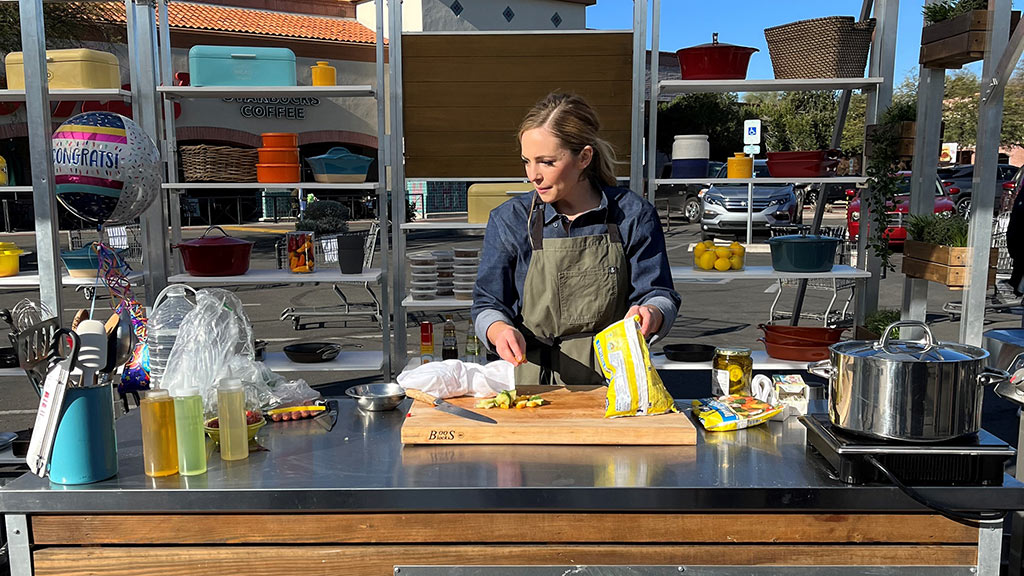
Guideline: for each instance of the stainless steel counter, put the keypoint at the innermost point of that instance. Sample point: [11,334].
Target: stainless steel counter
[362,466]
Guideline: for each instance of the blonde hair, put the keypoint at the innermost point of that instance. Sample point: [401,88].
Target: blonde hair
[576,126]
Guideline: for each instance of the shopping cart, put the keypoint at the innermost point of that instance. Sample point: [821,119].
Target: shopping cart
[125,239]
[326,253]
[1002,297]
[836,286]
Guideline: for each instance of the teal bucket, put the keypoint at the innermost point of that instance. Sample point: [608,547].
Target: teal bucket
[85,446]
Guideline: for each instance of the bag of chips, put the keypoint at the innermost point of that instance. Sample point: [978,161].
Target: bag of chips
[733,412]
[634,387]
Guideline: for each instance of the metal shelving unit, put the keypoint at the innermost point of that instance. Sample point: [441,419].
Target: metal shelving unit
[762,361]
[101,94]
[168,93]
[347,361]
[839,271]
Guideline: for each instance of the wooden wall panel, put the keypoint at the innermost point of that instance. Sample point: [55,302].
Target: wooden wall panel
[380,560]
[465,95]
[501,527]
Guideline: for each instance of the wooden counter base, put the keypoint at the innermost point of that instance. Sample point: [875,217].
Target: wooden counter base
[371,544]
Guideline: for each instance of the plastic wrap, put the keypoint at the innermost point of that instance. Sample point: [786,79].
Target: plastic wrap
[453,378]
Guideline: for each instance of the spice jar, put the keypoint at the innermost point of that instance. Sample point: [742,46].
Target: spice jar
[301,258]
[731,371]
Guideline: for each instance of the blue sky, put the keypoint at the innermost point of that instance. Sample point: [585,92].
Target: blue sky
[691,22]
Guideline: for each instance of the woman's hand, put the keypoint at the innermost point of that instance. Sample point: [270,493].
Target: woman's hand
[508,342]
[650,318]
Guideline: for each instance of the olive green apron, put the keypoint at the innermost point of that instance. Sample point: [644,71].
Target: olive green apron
[574,288]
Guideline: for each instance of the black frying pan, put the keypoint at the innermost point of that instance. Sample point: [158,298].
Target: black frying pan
[689,352]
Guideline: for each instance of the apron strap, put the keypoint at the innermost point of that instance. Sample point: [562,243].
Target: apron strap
[613,233]
[536,223]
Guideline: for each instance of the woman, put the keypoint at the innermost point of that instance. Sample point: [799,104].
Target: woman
[563,262]
[1015,243]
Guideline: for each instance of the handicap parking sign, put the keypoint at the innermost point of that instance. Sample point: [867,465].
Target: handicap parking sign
[751,131]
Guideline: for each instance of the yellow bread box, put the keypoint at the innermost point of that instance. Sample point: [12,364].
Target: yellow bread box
[78,68]
[482,198]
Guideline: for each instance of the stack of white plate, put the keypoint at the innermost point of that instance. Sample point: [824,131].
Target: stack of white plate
[423,275]
[467,261]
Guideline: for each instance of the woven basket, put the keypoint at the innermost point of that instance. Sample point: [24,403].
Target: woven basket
[833,47]
[204,163]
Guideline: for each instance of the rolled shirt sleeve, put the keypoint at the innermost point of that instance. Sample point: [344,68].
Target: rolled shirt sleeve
[650,273]
[495,291]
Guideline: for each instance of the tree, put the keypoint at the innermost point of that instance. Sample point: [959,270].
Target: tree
[960,108]
[720,116]
[66,24]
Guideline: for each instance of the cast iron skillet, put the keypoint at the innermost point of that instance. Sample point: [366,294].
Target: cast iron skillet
[689,352]
[312,352]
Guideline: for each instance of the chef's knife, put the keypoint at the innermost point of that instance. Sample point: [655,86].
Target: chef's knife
[448,407]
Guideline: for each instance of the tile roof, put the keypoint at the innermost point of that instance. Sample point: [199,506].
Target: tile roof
[250,21]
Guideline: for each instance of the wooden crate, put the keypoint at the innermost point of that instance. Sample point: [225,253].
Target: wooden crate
[958,41]
[905,148]
[943,264]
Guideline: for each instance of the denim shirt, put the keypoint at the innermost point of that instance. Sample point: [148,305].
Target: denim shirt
[498,293]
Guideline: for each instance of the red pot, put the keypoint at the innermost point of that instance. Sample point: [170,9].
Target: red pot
[818,155]
[800,168]
[714,61]
[216,256]
[809,334]
[796,353]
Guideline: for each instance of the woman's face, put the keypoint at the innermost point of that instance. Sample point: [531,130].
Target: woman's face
[553,169]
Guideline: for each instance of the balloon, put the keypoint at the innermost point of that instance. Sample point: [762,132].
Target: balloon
[106,168]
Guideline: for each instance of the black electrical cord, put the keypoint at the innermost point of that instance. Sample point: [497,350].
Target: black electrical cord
[967,517]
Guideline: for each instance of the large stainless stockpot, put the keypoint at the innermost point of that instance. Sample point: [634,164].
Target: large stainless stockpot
[918,391]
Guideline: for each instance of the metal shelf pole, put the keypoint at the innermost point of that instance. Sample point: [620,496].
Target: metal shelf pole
[169,148]
[990,123]
[44,198]
[397,151]
[636,156]
[383,143]
[652,104]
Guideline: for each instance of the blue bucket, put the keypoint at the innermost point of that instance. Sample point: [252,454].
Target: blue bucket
[85,447]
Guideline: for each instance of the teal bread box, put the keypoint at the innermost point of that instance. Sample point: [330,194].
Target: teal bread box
[339,165]
[241,66]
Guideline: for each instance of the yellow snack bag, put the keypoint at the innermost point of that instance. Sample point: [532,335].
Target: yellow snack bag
[733,412]
[634,387]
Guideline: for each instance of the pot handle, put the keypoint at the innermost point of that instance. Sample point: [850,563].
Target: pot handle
[226,235]
[821,368]
[929,339]
[990,376]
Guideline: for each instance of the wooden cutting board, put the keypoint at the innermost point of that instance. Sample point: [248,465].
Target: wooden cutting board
[575,415]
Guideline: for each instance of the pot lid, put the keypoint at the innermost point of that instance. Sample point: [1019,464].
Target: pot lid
[718,45]
[224,240]
[925,350]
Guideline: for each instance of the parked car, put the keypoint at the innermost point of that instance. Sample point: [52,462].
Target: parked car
[833,193]
[725,206]
[684,198]
[961,179]
[897,232]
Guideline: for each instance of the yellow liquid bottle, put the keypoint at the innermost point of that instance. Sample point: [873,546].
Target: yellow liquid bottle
[159,438]
[234,442]
[324,74]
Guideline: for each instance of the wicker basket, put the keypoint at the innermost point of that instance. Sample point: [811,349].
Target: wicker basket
[204,163]
[833,47]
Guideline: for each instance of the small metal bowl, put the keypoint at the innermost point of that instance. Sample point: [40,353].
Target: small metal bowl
[377,397]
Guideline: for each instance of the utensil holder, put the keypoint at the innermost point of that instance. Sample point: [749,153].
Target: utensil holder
[85,445]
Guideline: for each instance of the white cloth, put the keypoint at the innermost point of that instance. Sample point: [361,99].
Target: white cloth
[452,378]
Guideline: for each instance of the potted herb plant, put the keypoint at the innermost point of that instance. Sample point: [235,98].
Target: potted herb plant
[956,32]
[875,323]
[936,250]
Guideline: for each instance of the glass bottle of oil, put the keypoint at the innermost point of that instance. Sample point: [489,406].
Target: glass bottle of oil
[188,423]
[159,439]
[234,443]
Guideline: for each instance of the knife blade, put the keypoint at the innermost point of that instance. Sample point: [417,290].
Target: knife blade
[442,405]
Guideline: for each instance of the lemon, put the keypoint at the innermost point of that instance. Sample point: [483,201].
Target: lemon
[722,264]
[707,261]
[737,249]
[735,373]
[708,243]
[736,262]
[698,251]
[723,252]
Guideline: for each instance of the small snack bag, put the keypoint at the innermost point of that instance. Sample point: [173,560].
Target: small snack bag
[634,387]
[733,412]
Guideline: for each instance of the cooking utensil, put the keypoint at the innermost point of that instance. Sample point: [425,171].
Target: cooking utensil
[312,352]
[689,352]
[448,407]
[216,256]
[916,391]
[328,418]
[803,252]
[714,61]
[120,342]
[51,401]
[805,352]
[92,351]
[377,397]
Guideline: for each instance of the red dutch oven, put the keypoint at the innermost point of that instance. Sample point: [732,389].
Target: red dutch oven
[714,61]
[216,256]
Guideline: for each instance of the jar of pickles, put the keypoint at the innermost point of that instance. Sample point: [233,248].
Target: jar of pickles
[301,256]
[731,371]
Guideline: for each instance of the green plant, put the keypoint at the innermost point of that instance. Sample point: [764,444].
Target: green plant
[324,217]
[879,319]
[941,230]
[948,9]
[883,177]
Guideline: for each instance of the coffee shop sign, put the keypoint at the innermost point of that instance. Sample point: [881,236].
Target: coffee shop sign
[279,108]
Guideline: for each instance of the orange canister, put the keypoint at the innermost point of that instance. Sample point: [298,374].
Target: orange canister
[324,74]
[740,166]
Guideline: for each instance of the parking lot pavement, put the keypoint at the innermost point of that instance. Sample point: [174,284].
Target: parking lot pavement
[719,314]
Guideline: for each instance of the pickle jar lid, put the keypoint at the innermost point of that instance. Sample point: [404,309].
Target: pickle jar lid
[733,351]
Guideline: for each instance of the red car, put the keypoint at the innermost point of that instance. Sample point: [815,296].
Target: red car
[896,232]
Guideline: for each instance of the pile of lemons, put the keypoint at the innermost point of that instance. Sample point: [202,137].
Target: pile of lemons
[709,256]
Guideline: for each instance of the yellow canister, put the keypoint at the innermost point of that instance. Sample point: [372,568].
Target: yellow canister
[4,180]
[324,74]
[9,263]
[740,166]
